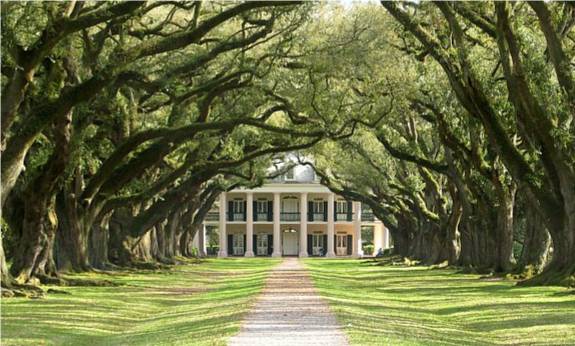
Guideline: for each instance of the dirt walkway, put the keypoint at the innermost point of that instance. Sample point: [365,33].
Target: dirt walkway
[290,312]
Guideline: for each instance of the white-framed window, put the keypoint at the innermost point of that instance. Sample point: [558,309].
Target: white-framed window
[341,245]
[261,210]
[318,207]
[290,205]
[317,244]
[262,244]
[341,210]
[290,174]
[238,244]
[341,207]
[238,205]
[262,206]
[238,209]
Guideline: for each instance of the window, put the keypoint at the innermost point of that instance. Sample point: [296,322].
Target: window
[318,207]
[290,174]
[261,212]
[238,210]
[341,207]
[262,206]
[290,205]
[238,206]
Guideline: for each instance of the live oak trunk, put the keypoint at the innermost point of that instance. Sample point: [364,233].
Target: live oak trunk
[34,256]
[536,243]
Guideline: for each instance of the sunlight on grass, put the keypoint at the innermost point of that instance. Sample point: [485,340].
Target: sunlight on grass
[389,305]
[199,304]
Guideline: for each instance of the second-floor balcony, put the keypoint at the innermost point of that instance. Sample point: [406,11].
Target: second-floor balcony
[266,217]
[289,216]
[343,216]
[236,216]
[317,217]
[366,216]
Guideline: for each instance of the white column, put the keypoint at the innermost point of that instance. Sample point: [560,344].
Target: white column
[385,238]
[277,230]
[223,235]
[303,225]
[202,240]
[378,237]
[249,224]
[330,226]
[357,250]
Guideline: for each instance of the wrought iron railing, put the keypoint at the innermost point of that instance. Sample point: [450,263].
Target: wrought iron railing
[284,216]
[343,216]
[263,217]
[318,217]
[237,217]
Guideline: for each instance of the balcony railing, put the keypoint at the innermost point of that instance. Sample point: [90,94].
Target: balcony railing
[367,216]
[289,216]
[213,216]
[321,217]
[263,217]
[343,217]
[237,217]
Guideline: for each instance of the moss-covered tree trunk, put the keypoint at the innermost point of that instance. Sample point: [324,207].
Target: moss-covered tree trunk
[536,243]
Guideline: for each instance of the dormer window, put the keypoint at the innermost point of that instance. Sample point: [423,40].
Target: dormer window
[290,174]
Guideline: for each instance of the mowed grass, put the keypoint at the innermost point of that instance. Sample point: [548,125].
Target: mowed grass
[391,305]
[191,304]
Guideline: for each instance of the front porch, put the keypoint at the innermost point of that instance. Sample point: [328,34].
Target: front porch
[313,243]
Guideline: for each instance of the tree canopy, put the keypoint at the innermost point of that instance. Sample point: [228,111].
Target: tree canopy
[123,120]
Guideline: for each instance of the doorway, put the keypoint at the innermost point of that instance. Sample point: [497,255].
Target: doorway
[262,244]
[341,245]
[290,244]
[317,244]
[238,244]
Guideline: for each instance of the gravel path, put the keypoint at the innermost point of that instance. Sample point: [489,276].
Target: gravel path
[289,312]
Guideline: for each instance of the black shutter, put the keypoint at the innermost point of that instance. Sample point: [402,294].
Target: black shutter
[255,210]
[309,211]
[245,244]
[245,209]
[325,244]
[325,211]
[230,245]
[349,244]
[349,211]
[335,210]
[230,211]
[310,245]
[270,244]
[255,244]
[270,210]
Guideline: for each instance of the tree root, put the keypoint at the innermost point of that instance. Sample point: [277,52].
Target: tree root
[550,277]
[22,290]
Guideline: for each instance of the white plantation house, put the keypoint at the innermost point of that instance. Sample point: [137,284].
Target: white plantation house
[292,215]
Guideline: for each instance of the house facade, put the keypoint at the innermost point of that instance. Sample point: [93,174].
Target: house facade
[292,215]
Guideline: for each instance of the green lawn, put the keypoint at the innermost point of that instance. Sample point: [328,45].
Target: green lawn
[390,305]
[189,304]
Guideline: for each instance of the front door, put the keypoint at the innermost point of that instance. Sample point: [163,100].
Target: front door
[238,244]
[317,244]
[262,244]
[341,245]
[290,243]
